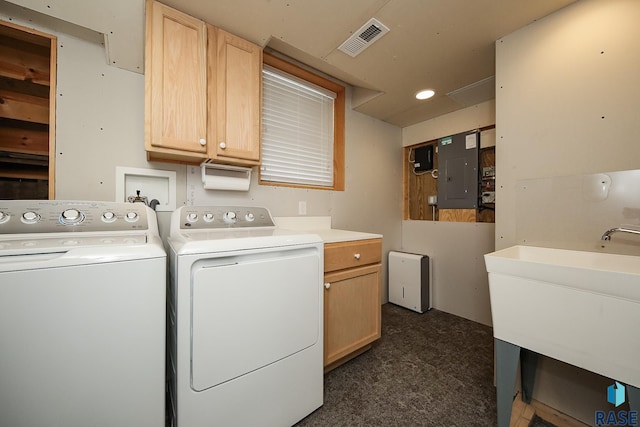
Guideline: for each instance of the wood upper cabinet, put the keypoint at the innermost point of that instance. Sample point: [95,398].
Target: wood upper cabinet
[235,88]
[352,306]
[202,91]
[176,84]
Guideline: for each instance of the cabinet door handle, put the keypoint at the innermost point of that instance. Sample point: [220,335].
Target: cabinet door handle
[203,142]
[327,285]
[356,256]
[223,145]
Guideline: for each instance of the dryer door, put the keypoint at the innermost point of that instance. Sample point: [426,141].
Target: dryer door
[250,311]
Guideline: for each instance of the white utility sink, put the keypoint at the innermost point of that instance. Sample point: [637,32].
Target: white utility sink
[579,307]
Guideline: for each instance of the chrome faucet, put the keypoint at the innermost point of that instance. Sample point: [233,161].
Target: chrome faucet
[607,234]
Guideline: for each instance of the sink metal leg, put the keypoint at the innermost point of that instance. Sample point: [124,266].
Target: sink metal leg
[528,363]
[633,396]
[507,356]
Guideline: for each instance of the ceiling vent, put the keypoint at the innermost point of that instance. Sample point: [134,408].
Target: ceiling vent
[363,37]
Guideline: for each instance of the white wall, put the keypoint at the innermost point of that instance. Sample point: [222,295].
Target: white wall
[460,284]
[590,205]
[567,103]
[473,117]
[459,276]
[567,99]
[118,21]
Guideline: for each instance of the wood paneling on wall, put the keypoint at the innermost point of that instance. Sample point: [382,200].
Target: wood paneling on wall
[418,186]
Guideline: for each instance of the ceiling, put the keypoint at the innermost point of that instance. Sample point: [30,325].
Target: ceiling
[444,45]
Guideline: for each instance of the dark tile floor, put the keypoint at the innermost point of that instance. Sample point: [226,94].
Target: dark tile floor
[431,369]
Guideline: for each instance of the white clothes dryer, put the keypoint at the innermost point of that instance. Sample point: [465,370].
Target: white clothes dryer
[245,318]
[82,315]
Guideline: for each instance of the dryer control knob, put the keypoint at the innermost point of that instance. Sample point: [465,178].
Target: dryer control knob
[230,217]
[131,216]
[208,217]
[108,216]
[249,217]
[192,217]
[4,217]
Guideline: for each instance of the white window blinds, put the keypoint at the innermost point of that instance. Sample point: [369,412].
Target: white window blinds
[297,130]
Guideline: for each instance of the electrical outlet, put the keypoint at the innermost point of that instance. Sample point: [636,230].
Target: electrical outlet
[302,208]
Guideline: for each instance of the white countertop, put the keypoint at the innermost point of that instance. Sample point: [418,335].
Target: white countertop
[333,235]
[322,227]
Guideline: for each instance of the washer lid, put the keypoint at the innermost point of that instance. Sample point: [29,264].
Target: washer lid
[55,257]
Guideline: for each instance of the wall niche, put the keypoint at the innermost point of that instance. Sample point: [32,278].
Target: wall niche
[420,187]
[27,112]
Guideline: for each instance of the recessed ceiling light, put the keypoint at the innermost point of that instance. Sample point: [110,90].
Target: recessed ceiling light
[425,94]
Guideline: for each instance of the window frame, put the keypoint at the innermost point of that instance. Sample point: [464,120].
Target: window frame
[338,121]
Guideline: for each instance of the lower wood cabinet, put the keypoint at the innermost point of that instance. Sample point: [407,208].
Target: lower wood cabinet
[352,311]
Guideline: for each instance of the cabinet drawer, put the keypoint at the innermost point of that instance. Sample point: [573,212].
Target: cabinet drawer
[338,256]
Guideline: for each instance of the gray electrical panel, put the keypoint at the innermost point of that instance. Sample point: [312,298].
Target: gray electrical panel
[458,171]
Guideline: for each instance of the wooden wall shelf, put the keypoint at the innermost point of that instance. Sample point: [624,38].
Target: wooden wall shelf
[27,79]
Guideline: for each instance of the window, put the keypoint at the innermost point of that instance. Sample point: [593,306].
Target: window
[302,128]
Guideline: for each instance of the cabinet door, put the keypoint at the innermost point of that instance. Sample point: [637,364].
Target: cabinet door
[176,72]
[351,311]
[235,87]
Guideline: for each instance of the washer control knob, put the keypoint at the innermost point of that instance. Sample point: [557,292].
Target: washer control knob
[131,216]
[230,217]
[30,217]
[108,216]
[249,217]
[208,217]
[71,216]
[4,217]
[192,217]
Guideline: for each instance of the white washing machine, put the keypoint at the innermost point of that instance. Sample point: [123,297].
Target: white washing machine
[82,315]
[245,314]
